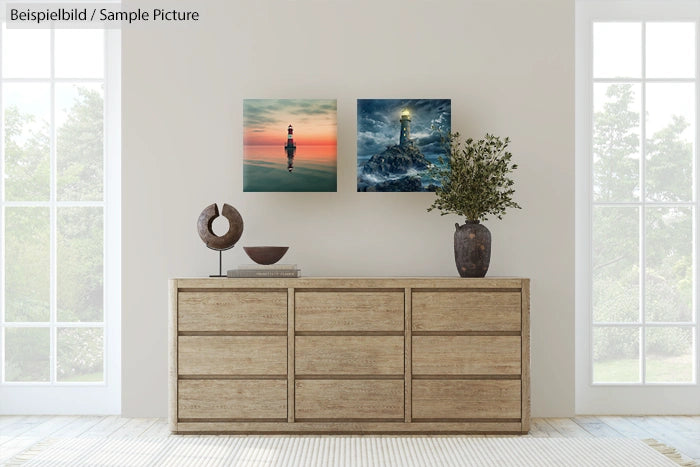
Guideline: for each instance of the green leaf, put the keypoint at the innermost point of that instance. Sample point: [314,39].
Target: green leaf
[475,181]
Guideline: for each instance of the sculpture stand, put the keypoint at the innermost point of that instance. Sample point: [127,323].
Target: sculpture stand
[220,271]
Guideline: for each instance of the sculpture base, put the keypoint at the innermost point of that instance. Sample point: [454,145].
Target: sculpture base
[221,274]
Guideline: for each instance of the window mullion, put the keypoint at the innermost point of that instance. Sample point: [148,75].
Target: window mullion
[590,203]
[639,80]
[61,204]
[2,219]
[659,204]
[696,236]
[632,324]
[106,93]
[53,216]
[55,80]
[642,213]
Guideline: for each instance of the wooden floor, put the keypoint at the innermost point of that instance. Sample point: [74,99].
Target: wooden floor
[18,433]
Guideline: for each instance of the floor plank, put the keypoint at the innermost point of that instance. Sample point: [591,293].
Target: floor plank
[625,427]
[597,427]
[6,420]
[78,427]
[133,428]
[664,433]
[158,429]
[686,423]
[21,425]
[105,427]
[36,433]
[539,428]
[568,428]
[672,432]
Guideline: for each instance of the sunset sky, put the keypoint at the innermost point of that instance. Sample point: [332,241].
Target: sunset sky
[265,121]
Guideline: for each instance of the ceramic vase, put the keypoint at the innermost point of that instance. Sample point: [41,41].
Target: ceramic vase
[472,249]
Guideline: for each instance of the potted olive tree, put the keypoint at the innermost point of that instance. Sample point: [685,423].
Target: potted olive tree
[474,183]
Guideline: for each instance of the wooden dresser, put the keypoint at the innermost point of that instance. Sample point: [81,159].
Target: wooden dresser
[350,355]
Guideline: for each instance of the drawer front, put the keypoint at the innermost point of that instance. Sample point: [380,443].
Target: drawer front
[232,355]
[348,311]
[349,355]
[241,399]
[466,311]
[466,355]
[348,399]
[466,399]
[232,311]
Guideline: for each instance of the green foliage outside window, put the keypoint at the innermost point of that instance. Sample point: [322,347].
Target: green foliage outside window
[668,230]
[79,240]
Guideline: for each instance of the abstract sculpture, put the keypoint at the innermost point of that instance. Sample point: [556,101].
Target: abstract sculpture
[223,242]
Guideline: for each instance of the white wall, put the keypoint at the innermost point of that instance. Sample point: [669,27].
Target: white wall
[508,67]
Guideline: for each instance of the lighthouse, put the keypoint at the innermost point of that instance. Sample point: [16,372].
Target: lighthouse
[290,137]
[405,137]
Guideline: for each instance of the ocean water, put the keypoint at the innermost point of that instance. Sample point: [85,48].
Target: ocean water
[426,180]
[266,168]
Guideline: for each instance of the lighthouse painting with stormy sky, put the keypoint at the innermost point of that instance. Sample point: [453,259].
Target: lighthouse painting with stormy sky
[398,140]
[290,145]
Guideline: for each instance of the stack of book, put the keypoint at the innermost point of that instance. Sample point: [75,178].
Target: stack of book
[260,270]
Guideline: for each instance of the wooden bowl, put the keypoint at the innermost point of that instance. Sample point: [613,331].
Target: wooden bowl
[265,254]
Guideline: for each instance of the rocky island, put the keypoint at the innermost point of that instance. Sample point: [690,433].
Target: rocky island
[397,167]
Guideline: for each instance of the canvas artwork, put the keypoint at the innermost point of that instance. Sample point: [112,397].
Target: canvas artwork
[290,145]
[397,140]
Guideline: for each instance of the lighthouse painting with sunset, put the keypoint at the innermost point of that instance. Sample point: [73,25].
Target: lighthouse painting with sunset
[398,140]
[289,145]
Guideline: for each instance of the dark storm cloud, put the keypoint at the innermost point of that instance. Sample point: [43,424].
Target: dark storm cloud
[431,144]
[378,123]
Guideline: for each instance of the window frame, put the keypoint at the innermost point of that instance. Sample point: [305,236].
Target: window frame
[55,397]
[639,397]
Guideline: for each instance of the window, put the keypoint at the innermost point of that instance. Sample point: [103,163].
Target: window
[59,218]
[637,217]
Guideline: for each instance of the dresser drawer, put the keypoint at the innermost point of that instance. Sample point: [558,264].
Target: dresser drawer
[349,311]
[349,355]
[232,355]
[240,399]
[349,399]
[232,311]
[466,311]
[466,399]
[466,355]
